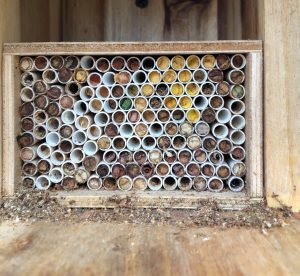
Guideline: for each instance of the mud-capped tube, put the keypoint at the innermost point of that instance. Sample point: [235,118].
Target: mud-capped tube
[56,175]
[50,76]
[200,155]
[140,183]
[94,183]
[202,128]
[94,132]
[236,106]
[26,64]
[44,166]
[140,103]
[200,75]
[238,153]
[236,76]
[69,167]
[40,116]
[69,183]
[57,157]
[81,175]
[90,148]
[134,143]
[216,102]
[237,92]
[163,63]
[28,181]
[133,116]
[223,88]
[123,77]
[237,137]
[53,124]
[133,169]
[26,109]
[79,137]
[41,63]
[193,169]
[110,105]
[147,89]
[223,61]
[208,62]
[29,168]
[95,105]
[77,155]
[66,146]
[148,63]
[133,64]
[207,89]
[185,183]
[66,131]
[215,75]
[185,156]
[80,75]
[170,156]
[101,119]
[238,168]
[215,184]
[220,131]
[27,94]
[90,163]
[148,116]
[94,79]
[110,183]
[223,171]
[40,132]
[155,156]
[236,184]
[87,62]
[66,102]
[102,64]
[155,183]
[87,93]
[43,182]
[125,103]
[177,169]
[237,122]
[216,157]
[148,143]
[199,183]
[163,169]
[56,62]
[28,153]
[83,122]
[26,139]
[184,102]
[193,62]
[207,169]
[110,156]
[104,142]
[117,170]
[27,124]
[72,62]
[223,115]
[103,169]
[178,116]
[225,145]
[184,76]
[118,63]
[164,142]
[238,61]
[53,139]
[108,78]
[119,143]
[111,130]
[178,142]
[119,117]
[81,107]
[125,183]
[170,183]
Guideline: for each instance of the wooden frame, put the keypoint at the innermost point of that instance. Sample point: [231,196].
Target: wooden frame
[253,100]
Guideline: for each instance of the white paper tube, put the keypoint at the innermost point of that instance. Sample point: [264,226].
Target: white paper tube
[209,143]
[200,102]
[155,183]
[156,129]
[73,88]
[207,169]
[238,168]
[170,183]
[66,131]
[44,151]
[140,183]
[66,102]
[94,79]
[193,169]
[223,171]
[86,93]
[28,181]
[215,184]
[237,122]
[53,109]
[103,169]
[223,115]
[56,62]
[186,129]
[125,183]
[178,142]
[69,167]
[41,63]
[207,89]
[95,105]
[90,148]
[194,142]
[40,132]
[119,143]
[94,132]
[147,90]
[236,106]
[200,183]
[53,139]
[28,78]
[185,156]
[208,62]
[238,153]
[87,62]
[155,156]
[50,76]
[148,116]
[56,175]
[66,146]
[83,122]
[236,76]
[225,146]
[132,90]
[27,94]
[200,155]
[200,75]
[192,62]
[65,75]
[216,157]
[102,64]
[148,143]
[77,155]
[178,169]
[44,166]
[118,63]
[148,63]
[178,116]
[81,107]
[81,175]
[108,78]
[238,61]
[72,62]
[26,64]
[185,183]
[163,63]
[220,131]
[118,170]
[110,156]
[236,184]
[40,116]
[79,137]
[133,64]
[28,153]
[101,119]
[126,130]
[170,156]
[94,183]
[53,124]
[134,143]
[104,142]
[29,168]
[42,182]
[216,102]
[202,128]
[139,77]
[110,105]
[57,157]
[90,163]
[237,137]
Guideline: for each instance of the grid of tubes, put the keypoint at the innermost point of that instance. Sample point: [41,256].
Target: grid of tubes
[133,122]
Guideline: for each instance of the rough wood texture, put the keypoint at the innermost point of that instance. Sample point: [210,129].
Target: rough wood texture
[282,101]
[129,249]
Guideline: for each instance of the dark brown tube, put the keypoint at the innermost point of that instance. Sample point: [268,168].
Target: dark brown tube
[162,89]
[90,163]
[28,182]
[43,166]
[66,102]
[156,103]
[27,124]
[57,62]
[147,170]
[64,75]
[119,116]
[53,109]
[208,170]
[133,170]
[111,130]
[102,170]
[140,157]
[39,87]
[110,184]
[223,61]
[26,109]
[178,169]
[25,140]
[208,115]
[66,146]
[193,169]
[225,146]
[118,63]
[41,102]
[209,143]
[29,168]
[223,171]
[185,157]
[200,155]
[69,183]
[215,75]
[54,93]
[125,157]
[171,128]
[41,62]
[133,64]
[118,170]
[164,142]
[66,131]
[223,88]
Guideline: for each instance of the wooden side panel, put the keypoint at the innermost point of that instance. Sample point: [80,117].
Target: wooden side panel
[160,20]
[282,102]
[83,20]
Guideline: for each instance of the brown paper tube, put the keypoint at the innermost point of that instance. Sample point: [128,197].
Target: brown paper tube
[238,153]
[162,169]
[155,102]
[164,142]
[117,170]
[110,184]
[208,115]
[185,183]
[40,87]
[207,89]
[64,75]
[140,157]
[53,109]
[123,77]
[179,142]
[41,63]
[111,130]
[125,157]
[200,155]
[223,61]
[147,170]
[170,156]
[133,116]
[162,89]
[41,102]
[223,171]
[119,143]
[184,156]
[72,62]
[118,63]
[27,124]
[26,109]
[81,175]
[225,146]
[110,156]
[103,170]
[209,143]
[140,103]
[133,170]
[223,88]
[44,166]
[104,143]
[40,117]
[148,115]
[163,115]
[54,92]
[124,183]
[215,184]
[102,65]
[237,168]
[216,157]
[28,181]
[178,169]
[28,153]
[69,183]
[140,183]
[200,183]
[171,128]
[133,64]
[66,131]
[207,170]
[26,139]
[236,76]
[29,168]
[238,61]
[56,62]
[215,75]
[208,62]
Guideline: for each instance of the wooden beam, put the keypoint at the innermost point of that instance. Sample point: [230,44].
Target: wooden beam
[282,101]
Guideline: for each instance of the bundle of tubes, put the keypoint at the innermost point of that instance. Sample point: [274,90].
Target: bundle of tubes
[133,122]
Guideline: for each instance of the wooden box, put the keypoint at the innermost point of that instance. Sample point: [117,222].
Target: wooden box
[254,144]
